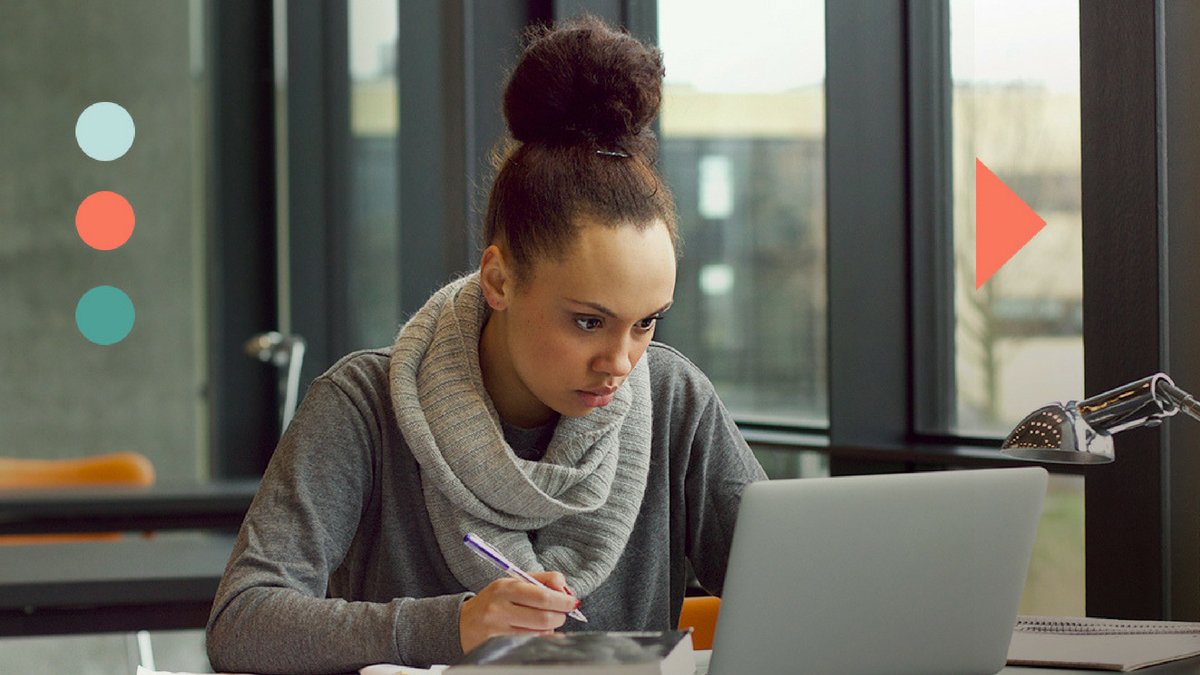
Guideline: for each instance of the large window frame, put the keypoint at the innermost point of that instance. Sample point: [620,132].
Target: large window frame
[1142,512]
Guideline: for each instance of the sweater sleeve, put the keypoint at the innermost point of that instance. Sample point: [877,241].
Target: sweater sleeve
[720,464]
[271,613]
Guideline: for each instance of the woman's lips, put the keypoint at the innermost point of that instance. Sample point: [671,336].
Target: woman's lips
[597,398]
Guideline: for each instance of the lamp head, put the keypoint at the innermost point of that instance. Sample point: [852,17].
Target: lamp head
[1059,433]
[273,347]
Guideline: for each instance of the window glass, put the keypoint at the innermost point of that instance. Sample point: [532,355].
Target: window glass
[1019,338]
[790,463]
[142,387]
[743,143]
[1054,585]
[373,275]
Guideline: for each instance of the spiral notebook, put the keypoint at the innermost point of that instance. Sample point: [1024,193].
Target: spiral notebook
[1100,644]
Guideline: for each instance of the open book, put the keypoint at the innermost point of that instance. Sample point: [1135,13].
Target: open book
[582,653]
[1100,644]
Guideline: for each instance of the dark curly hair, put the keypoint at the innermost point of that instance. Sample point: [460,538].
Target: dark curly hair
[579,105]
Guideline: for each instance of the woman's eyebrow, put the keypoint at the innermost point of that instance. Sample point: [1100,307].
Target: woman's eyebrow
[609,313]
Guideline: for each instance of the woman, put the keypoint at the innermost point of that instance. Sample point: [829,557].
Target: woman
[525,403]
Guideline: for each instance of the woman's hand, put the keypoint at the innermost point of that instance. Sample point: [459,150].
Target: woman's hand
[510,605]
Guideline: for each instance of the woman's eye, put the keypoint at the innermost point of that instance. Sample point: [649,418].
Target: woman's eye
[588,323]
[647,324]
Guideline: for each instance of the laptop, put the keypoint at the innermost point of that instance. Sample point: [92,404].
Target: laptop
[904,574]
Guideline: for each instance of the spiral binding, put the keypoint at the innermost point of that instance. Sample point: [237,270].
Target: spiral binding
[1085,626]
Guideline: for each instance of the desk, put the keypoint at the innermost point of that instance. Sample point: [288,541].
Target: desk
[1186,667]
[164,582]
[215,505]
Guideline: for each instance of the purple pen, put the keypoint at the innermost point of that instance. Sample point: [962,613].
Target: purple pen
[490,554]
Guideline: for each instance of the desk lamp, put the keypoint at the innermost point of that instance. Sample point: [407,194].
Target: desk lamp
[281,351]
[1080,432]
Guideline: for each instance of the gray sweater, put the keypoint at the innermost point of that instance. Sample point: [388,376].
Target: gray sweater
[336,565]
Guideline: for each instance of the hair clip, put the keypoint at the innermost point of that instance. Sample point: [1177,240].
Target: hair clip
[613,153]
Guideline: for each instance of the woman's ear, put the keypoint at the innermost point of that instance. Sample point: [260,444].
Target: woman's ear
[495,278]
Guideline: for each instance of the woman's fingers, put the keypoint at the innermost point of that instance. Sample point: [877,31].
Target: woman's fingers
[554,580]
[514,606]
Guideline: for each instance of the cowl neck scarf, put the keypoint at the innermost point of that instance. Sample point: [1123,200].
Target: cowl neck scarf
[571,512]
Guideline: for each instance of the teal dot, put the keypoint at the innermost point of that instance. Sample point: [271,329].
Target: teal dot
[104,131]
[104,315]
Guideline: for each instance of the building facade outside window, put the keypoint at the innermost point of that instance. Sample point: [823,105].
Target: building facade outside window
[743,148]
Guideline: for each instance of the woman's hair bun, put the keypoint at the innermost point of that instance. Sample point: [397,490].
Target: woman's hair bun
[582,80]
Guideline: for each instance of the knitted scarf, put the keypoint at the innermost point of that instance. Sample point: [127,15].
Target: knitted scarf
[581,499]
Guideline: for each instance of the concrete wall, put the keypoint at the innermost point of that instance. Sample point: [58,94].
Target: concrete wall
[60,395]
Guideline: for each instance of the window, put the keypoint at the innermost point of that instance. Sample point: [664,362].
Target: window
[372,238]
[743,147]
[1019,338]
[1054,585]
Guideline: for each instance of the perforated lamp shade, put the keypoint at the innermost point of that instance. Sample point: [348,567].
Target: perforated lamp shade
[1058,433]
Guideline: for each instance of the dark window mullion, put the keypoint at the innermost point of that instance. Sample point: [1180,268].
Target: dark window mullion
[1140,213]
[932,216]
[425,122]
[1179,108]
[241,292]
[866,160]
[494,30]
[318,93]
[453,58]
[1124,516]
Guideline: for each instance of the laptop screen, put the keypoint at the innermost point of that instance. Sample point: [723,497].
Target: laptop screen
[900,573]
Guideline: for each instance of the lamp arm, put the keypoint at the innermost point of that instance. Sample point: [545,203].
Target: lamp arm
[1180,398]
[1133,405]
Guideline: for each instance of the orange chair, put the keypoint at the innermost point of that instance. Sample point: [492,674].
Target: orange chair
[115,469]
[700,614]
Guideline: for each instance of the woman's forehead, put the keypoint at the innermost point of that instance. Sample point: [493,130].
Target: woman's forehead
[625,269]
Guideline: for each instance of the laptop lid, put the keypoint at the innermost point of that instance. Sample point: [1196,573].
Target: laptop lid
[900,574]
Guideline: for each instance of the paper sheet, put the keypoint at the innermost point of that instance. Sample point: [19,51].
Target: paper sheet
[379,669]
[388,669]
[148,671]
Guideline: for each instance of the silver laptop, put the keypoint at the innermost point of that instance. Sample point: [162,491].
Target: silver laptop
[904,574]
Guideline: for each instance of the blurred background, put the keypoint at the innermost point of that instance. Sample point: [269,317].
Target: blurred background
[318,168]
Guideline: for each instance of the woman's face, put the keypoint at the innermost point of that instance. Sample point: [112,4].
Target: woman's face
[566,340]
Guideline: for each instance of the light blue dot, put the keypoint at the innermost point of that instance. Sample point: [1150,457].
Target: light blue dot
[104,315]
[104,131]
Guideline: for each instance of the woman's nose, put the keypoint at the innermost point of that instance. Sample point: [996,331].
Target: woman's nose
[617,360]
